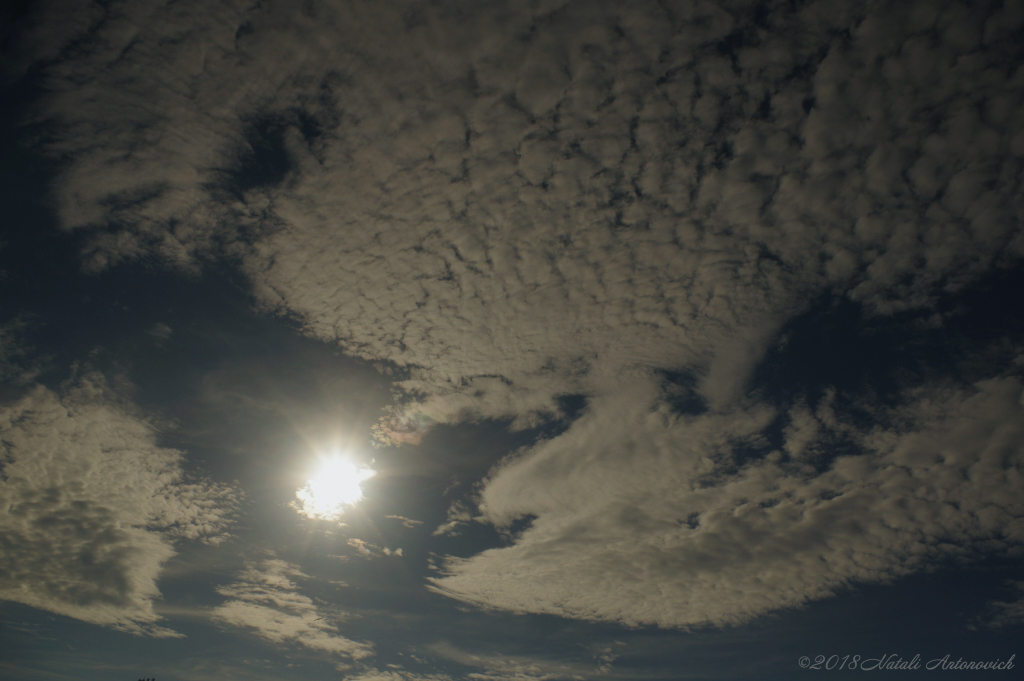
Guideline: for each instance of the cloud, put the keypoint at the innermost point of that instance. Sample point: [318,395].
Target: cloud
[363,548]
[1007,613]
[495,667]
[160,331]
[458,515]
[390,675]
[266,600]
[516,202]
[91,506]
[519,201]
[407,522]
[368,550]
[401,429]
[653,519]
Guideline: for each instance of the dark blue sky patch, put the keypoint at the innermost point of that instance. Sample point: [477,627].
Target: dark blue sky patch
[518,526]
[836,345]
[264,160]
[680,392]
[833,345]
[769,440]
[571,406]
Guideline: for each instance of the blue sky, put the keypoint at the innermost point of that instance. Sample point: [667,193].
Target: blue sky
[675,340]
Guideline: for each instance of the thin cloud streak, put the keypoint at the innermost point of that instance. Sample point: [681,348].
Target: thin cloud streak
[266,600]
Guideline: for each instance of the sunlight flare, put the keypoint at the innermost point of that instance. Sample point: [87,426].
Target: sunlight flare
[335,486]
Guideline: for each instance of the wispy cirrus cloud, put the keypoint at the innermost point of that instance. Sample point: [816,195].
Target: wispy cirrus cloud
[365,549]
[406,522]
[266,600]
[491,666]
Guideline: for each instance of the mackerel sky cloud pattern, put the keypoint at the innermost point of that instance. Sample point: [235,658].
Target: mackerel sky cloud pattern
[598,223]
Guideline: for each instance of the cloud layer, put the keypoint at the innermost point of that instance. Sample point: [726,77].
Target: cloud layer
[653,519]
[525,200]
[519,201]
[91,507]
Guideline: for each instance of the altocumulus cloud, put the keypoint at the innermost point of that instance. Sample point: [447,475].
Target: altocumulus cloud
[90,507]
[522,200]
[519,200]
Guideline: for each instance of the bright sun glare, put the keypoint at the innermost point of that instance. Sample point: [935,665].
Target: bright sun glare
[335,486]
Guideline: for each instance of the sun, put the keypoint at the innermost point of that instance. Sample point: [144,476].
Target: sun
[335,486]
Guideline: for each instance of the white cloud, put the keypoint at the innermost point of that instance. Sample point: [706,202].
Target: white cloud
[458,515]
[91,505]
[516,218]
[406,522]
[520,201]
[367,550]
[640,519]
[266,600]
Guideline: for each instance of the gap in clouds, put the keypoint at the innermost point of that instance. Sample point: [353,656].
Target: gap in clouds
[836,345]
[268,151]
[427,480]
[682,392]
[264,160]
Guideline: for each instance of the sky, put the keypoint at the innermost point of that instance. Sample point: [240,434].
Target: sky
[519,340]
